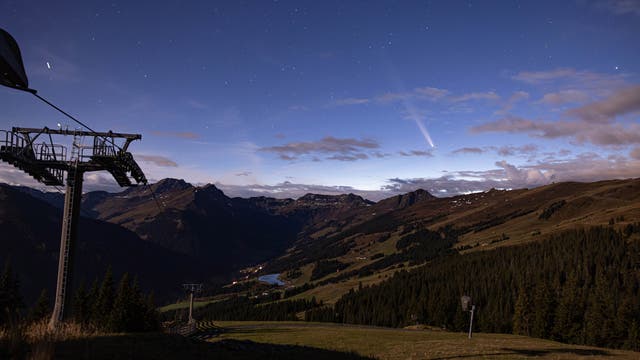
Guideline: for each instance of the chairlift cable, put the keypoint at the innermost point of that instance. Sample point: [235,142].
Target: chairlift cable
[74,119]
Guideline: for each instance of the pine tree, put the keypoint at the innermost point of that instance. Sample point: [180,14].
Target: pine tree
[628,310]
[103,304]
[81,308]
[138,307]
[569,312]
[599,327]
[10,298]
[522,313]
[120,318]
[151,322]
[41,308]
[633,337]
[542,311]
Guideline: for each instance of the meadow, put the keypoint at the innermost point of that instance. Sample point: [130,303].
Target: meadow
[415,343]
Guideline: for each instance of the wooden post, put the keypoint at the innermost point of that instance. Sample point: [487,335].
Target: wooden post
[191,307]
[473,308]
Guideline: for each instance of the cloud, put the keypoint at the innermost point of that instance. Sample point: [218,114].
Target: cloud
[513,99]
[157,160]
[565,97]
[537,77]
[506,150]
[590,167]
[635,153]
[569,78]
[511,124]
[586,167]
[446,185]
[415,153]
[290,158]
[621,7]
[354,157]
[244,173]
[380,155]
[93,181]
[622,102]
[468,150]
[613,135]
[14,176]
[391,97]
[524,176]
[581,132]
[344,149]
[431,92]
[178,134]
[100,181]
[352,101]
[292,190]
[489,95]
[518,95]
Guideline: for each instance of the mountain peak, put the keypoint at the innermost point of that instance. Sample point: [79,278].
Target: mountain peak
[408,199]
[169,184]
[211,192]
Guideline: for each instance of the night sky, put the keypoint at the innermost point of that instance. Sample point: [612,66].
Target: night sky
[281,98]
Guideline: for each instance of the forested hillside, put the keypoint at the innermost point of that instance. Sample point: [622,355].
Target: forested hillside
[580,286]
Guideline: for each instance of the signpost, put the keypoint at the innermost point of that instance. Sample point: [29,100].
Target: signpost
[191,289]
[468,306]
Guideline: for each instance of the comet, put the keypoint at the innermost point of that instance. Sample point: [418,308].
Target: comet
[411,112]
[414,114]
[425,133]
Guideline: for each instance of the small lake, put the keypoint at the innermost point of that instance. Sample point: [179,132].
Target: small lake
[273,279]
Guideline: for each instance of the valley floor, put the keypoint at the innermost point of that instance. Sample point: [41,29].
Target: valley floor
[387,343]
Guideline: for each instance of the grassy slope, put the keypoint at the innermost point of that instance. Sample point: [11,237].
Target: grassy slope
[156,346]
[185,305]
[384,343]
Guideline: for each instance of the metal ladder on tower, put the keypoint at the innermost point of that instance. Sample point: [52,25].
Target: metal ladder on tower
[68,216]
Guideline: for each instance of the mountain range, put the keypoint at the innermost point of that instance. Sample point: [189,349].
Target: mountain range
[197,233]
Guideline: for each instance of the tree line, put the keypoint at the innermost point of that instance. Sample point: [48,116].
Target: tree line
[103,307]
[122,308]
[242,308]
